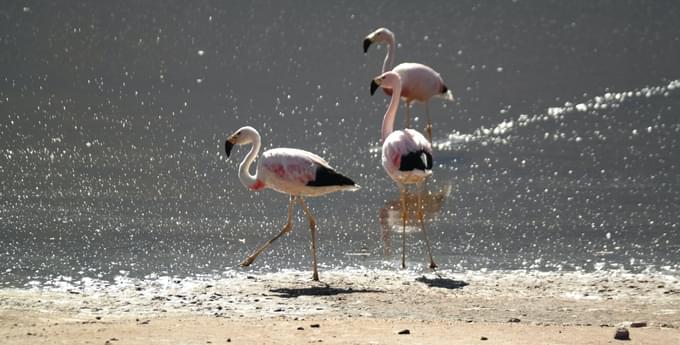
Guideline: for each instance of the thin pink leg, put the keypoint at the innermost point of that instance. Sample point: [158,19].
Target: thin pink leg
[312,229]
[421,219]
[286,228]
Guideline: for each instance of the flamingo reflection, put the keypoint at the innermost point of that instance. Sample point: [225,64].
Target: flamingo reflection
[391,213]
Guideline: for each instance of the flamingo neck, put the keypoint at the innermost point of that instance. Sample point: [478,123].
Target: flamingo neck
[391,113]
[244,168]
[389,58]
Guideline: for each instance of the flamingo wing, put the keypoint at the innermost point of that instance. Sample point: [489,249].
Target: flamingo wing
[289,166]
[292,170]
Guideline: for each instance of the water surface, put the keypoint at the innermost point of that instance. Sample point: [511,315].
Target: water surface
[559,153]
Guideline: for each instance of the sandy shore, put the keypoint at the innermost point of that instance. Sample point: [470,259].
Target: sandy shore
[350,307]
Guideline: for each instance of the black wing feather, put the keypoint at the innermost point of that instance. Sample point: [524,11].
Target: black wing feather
[414,161]
[329,177]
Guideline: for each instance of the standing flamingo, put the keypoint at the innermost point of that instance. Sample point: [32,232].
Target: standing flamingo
[406,156]
[419,82]
[295,172]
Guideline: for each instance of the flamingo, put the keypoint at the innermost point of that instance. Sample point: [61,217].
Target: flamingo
[294,172]
[419,82]
[406,157]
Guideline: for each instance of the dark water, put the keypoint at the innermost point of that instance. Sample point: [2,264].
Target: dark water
[113,116]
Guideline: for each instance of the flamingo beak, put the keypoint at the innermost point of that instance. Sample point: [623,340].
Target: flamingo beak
[374,86]
[367,43]
[228,145]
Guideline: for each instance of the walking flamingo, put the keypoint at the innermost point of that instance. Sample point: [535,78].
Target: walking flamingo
[291,171]
[419,82]
[406,157]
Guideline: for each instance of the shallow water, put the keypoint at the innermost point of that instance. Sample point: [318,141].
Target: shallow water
[559,153]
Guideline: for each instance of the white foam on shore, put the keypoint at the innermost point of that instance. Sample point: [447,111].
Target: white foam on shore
[501,133]
[292,293]
[124,283]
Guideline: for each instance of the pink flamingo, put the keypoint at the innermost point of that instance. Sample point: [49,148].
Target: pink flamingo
[419,82]
[406,156]
[295,172]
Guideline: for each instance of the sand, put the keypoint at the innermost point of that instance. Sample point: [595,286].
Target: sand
[349,307]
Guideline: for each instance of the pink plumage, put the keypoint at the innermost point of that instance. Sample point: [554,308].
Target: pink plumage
[401,144]
[419,82]
[291,171]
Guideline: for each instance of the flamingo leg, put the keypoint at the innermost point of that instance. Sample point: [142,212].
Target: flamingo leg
[286,228]
[428,128]
[385,229]
[404,216]
[421,219]
[312,229]
[407,120]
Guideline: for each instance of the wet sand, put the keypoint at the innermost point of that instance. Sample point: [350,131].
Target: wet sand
[349,307]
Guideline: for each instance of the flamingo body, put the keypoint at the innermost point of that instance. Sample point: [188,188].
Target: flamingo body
[298,172]
[407,156]
[419,82]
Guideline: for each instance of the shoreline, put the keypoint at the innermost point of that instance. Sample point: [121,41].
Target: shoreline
[505,307]
[192,329]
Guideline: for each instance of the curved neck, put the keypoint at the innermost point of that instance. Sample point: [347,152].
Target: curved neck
[388,119]
[389,58]
[244,168]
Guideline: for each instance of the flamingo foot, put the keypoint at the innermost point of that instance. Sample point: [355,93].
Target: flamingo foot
[249,260]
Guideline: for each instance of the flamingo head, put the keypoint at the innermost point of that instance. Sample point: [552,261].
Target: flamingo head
[245,135]
[387,80]
[379,35]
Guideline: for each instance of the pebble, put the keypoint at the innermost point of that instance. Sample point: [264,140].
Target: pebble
[300,328]
[638,324]
[484,338]
[405,331]
[622,334]
[315,325]
[514,319]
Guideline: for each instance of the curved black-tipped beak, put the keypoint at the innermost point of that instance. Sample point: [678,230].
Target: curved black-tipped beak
[374,86]
[227,147]
[367,43]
